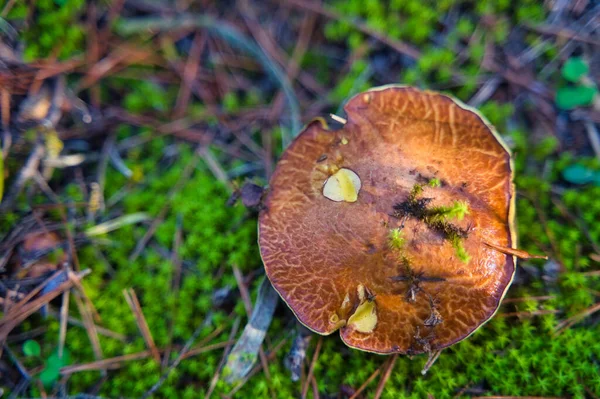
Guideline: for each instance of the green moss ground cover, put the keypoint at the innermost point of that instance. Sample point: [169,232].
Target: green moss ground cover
[520,352]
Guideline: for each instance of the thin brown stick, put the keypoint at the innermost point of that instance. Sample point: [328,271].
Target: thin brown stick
[7,7]
[115,362]
[105,364]
[311,368]
[174,364]
[519,253]
[101,330]
[16,315]
[64,313]
[75,260]
[529,298]
[562,326]
[215,379]
[32,293]
[90,327]
[293,65]
[591,273]
[366,383]
[207,348]
[315,387]
[136,309]
[5,108]
[120,58]
[190,70]
[77,283]
[385,377]
[562,33]
[212,335]
[92,54]
[239,279]
[530,314]
[216,168]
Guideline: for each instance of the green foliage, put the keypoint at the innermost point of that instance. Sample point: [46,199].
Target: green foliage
[230,102]
[54,27]
[31,348]
[147,96]
[582,92]
[420,23]
[574,69]
[214,237]
[545,148]
[457,210]
[354,82]
[460,250]
[52,366]
[435,182]
[396,239]
[508,356]
[497,113]
[580,174]
[437,218]
[570,97]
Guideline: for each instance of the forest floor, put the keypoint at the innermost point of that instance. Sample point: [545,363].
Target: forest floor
[127,125]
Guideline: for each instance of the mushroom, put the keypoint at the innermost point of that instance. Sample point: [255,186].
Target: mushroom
[397,229]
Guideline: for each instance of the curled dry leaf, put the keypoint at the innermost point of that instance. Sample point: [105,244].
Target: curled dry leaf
[425,169]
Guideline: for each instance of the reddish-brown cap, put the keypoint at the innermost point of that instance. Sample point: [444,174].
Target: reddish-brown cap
[380,229]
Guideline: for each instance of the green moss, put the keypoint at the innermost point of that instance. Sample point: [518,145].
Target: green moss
[396,239]
[459,248]
[508,356]
[457,210]
[421,23]
[54,27]
[435,182]
[436,218]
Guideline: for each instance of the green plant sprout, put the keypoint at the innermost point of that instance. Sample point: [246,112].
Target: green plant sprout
[396,239]
[580,89]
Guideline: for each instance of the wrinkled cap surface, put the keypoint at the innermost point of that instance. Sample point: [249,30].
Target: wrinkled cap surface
[333,262]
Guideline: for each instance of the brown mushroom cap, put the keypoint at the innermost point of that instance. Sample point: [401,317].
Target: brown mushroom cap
[332,262]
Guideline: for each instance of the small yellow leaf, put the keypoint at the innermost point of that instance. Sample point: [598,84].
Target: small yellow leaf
[364,319]
[343,185]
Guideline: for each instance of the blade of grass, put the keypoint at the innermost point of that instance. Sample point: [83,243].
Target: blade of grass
[311,369]
[116,223]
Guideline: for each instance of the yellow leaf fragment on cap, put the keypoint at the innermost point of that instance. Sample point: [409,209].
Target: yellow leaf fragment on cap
[336,322]
[364,319]
[360,290]
[345,304]
[343,185]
